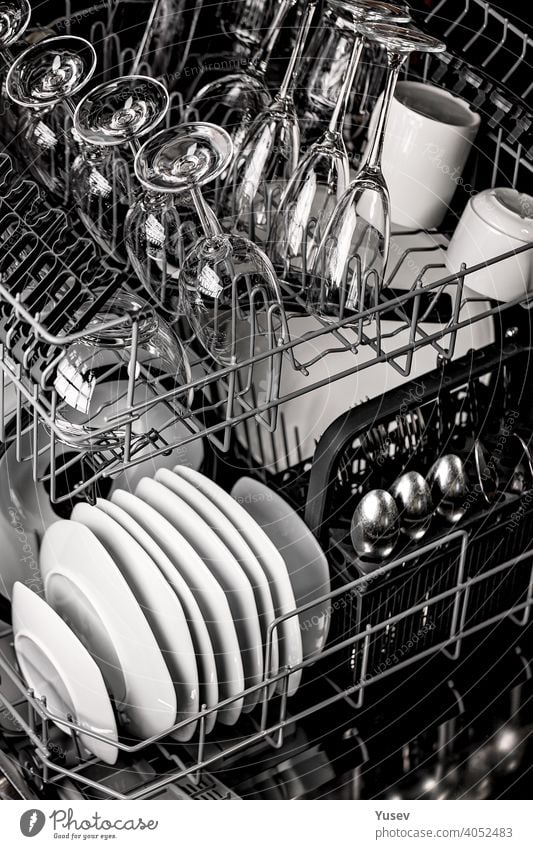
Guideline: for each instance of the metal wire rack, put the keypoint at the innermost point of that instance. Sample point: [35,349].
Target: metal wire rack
[421,604]
[459,582]
[392,331]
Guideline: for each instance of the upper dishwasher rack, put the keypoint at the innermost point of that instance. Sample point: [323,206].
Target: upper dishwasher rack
[35,328]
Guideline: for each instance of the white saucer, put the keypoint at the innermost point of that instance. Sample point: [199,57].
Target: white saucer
[55,664]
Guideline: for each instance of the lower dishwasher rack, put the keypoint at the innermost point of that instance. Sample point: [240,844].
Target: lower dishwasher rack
[418,608]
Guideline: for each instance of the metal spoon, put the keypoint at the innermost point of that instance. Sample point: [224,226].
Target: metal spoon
[413,500]
[449,487]
[375,525]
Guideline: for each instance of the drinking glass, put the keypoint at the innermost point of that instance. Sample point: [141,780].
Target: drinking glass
[269,154]
[234,99]
[225,282]
[167,36]
[109,121]
[44,79]
[324,172]
[95,383]
[348,269]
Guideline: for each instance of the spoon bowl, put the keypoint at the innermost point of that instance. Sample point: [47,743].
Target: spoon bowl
[375,525]
[448,484]
[412,495]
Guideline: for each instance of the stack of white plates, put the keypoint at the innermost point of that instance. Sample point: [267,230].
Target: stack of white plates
[160,603]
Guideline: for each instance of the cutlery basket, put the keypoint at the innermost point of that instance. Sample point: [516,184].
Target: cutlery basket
[457,580]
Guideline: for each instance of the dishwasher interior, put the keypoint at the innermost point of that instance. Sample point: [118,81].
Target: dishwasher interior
[423,687]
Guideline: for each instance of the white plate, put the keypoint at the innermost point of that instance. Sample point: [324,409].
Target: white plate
[240,549]
[125,515]
[290,639]
[305,561]
[230,575]
[204,542]
[159,604]
[207,592]
[55,664]
[83,584]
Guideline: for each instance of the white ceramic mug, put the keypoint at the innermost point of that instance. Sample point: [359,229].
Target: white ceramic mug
[429,135]
[495,222]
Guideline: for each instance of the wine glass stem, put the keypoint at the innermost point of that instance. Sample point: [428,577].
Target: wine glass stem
[261,58]
[135,146]
[375,147]
[287,86]
[336,122]
[208,220]
[146,36]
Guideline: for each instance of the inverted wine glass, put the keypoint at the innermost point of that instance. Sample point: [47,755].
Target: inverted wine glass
[44,79]
[348,271]
[244,22]
[14,19]
[109,121]
[226,283]
[269,154]
[323,173]
[233,100]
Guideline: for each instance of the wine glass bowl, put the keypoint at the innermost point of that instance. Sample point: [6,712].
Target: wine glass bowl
[226,283]
[235,99]
[193,153]
[117,112]
[14,19]
[92,379]
[43,80]
[322,175]
[112,115]
[347,275]
[161,226]
[269,153]
[50,71]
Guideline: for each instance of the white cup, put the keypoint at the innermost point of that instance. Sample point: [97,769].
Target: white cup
[495,222]
[428,138]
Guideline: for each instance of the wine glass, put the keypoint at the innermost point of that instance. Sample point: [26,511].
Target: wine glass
[44,79]
[14,19]
[348,270]
[160,228]
[325,66]
[234,99]
[225,280]
[244,22]
[109,121]
[323,173]
[95,382]
[167,36]
[269,154]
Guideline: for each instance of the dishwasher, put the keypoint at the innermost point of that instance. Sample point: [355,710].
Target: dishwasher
[375,431]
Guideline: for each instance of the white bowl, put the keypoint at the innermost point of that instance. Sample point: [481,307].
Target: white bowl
[495,222]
